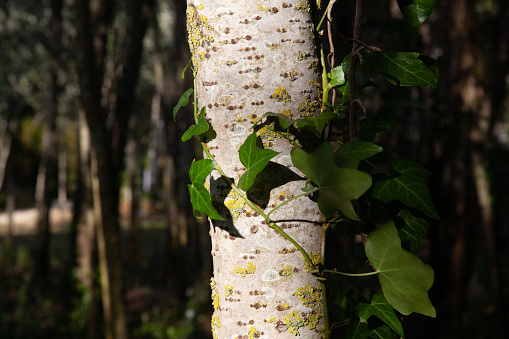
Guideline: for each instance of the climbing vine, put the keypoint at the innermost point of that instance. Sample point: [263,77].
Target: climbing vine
[386,203]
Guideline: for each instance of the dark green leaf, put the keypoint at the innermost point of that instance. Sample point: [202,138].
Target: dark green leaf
[412,228]
[201,127]
[416,11]
[405,279]
[200,196]
[370,126]
[409,187]
[316,124]
[337,76]
[381,309]
[339,288]
[349,154]
[401,68]
[358,330]
[254,159]
[382,332]
[184,99]
[338,186]
[284,122]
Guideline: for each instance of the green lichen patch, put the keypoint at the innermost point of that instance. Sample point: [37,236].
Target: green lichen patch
[302,6]
[281,95]
[309,296]
[199,29]
[243,271]
[228,290]
[215,296]
[253,333]
[308,108]
[236,205]
[294,322]
[316,258]
[287,272]
[303,55]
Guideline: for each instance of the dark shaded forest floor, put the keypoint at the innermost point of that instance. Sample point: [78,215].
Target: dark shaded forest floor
[158,306]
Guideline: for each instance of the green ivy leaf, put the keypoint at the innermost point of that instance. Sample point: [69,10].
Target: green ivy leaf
[358,330]
[401,68]
[200,196]
[381,309]
[370,126]
[201,127]
[284,122]
[411,228]
[382,332]
[316,124]
[409,187]
[338,186]
[339,288]
[416,11]
[337,76]
[405,279]
[350,154]
[184,99]
[254,159]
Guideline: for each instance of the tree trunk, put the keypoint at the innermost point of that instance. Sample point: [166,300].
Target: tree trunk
[45,187]
[252,58]
[86,233]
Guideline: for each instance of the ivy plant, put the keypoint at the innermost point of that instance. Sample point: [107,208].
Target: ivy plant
[348,172]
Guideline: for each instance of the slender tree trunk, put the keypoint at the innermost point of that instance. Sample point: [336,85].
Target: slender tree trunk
[46,185]
[471,145]
[86,242]
[134,189]
[252,58]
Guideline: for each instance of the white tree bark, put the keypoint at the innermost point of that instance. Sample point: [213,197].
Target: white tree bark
[254,57]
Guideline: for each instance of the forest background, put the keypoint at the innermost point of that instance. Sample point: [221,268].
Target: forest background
[127,66]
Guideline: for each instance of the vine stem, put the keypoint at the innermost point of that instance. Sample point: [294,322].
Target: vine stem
[323,286]
[255,207]
[291,199]
[351,274]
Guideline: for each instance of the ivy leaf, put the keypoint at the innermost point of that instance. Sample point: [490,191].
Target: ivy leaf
[401,68]
[254,159]
[316,124]
[358,330]
[284,122]
[349,154]
[339,288]
[412,228]
[184,99]
[201,127]
[416,11]
[338,186]
[309,186]
[370,126]
[380,308]
[200,196]
[409,187]
[405,279]
[337,76]
[382,332]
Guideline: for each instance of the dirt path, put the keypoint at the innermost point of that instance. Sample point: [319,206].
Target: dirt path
[24,220]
